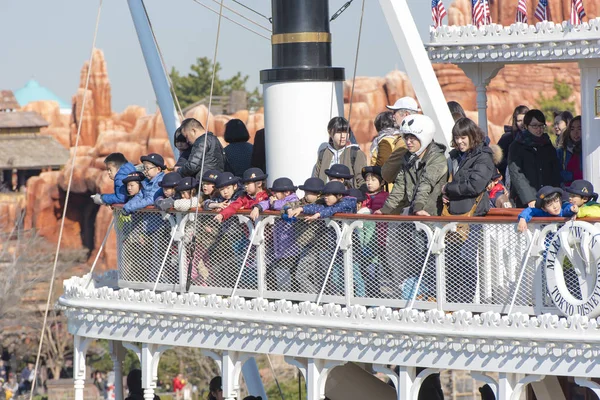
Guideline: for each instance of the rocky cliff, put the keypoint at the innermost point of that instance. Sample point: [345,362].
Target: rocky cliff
[135,133]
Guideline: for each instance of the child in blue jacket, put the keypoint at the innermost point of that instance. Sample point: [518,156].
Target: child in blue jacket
[548,203]
[154,165]
[118,168]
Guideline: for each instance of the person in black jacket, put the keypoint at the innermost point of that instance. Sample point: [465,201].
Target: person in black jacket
[510,132]
[212,157]
[471,169]
[532,161]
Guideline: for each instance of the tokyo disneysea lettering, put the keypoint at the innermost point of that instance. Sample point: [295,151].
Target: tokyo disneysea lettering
[572,269]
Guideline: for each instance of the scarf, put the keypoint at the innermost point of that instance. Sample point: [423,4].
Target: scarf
[387,132]
[574,148]
[529,139]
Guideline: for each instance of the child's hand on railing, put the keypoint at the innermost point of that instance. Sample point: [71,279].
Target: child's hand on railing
[313,217]
[219,217]
[423,213]
[254,213]
[294,212]
[522,227]
[378,212]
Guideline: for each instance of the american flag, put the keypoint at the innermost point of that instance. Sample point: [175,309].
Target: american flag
[522,12]
[542,12]
[486,10]
[577,12]
[479,15]
[438,12]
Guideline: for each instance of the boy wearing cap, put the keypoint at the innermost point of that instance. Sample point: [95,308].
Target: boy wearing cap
[581,194]
[154,165]
[254,193]
[548,203]
[117,168]
[336,201]
[135,255]
[165,198]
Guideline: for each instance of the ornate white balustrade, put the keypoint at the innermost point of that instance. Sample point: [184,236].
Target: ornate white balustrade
[399,262]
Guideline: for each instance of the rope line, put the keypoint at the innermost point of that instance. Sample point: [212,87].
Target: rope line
[64,214]
[164,64]
[210,97]
[231,20]
[110,226]
[362,14]
[270,19]
[244,17]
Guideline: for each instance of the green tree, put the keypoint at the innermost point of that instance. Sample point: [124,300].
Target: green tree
[195,86]
[557,103]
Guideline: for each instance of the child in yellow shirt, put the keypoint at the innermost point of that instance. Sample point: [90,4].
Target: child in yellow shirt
[581,194]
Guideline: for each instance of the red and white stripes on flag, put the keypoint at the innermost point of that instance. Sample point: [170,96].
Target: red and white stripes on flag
[521,12]
[577,12]
[542,12]
[481,12]
[438,12]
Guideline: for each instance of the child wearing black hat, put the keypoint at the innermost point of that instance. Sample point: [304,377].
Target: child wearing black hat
[165,198]
[227,191]
[135,238]
[340,173]
[280,275]
[154,165]
[209,179]
[117,168]
[134,183]
[187,189]
[548,203]
[254,193]
[581,194]
[336,201]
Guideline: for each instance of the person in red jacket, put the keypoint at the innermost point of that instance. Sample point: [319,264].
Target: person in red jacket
[254,193]
[178,385]
[376,196]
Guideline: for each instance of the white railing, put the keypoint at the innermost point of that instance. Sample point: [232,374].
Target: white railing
[483,265]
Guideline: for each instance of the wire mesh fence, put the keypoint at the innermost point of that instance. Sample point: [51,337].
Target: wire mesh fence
[478,266]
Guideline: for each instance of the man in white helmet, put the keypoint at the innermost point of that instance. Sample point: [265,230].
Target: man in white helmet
[424,171]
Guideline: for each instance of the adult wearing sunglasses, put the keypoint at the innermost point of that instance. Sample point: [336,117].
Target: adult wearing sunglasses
[532,160]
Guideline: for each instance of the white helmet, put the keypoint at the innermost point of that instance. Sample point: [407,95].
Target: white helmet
[420,126]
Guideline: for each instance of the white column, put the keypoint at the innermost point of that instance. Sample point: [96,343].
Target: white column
[150,356]
[228,375]
[510,387]
[590,137]
[292,138]
[80,347]
[117,354]
[481,74]
[418,67]
[406,380]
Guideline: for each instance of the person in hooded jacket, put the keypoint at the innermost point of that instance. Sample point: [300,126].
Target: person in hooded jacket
[532,161]
[387,140]
[341,150]
[471,169]
[418,186]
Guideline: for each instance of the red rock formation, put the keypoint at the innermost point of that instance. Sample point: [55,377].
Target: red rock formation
[99,85]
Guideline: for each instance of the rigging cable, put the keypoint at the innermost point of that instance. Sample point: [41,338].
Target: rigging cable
[188,281]
[362,14]
[270,19]
[244,17]
[64,214]
[229,19]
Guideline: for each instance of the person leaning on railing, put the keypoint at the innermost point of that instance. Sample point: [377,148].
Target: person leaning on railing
[471,168]
[424,170]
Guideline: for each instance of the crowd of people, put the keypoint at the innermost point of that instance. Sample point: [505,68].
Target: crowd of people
[407,173]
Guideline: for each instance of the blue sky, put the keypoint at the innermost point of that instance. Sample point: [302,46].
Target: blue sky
[52,42]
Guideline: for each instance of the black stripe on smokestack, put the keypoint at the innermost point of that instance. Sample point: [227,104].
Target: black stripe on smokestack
[301,43]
